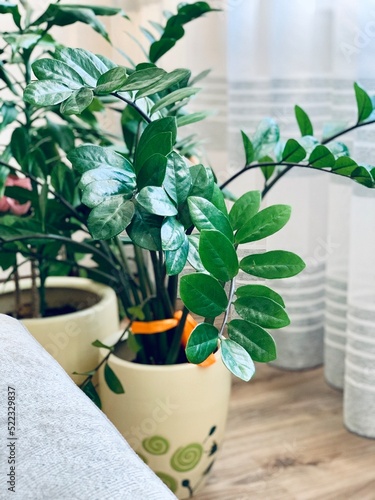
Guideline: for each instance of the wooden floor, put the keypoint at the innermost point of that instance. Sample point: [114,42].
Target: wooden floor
[285,440]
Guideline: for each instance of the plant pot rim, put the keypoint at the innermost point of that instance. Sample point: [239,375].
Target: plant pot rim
[104,293]
[115,360]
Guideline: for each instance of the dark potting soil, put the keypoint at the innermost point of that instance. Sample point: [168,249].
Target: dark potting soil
[25,311]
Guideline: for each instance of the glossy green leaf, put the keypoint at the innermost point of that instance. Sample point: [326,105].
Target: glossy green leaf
[202,342]
[275,264]
[177,181]
[267,170]
[90,156]
[262,311]
[156,201]
[77,102]
[304,122]
[46,93]
[112,380]
[265,223]
[257,342]
[248,148]
[89,66]
[206,216]
[7,7]
[237,360]
[266,137]
[293,152]
[110,218]
[51,69]
[158,137]
[143,78]
[20,144]
[364,103]
[164,83]
[173,97]
[203,295]
[362,176]
[218,200]
[19,41]
[160,47]
[152,172]
[259,291]
[9,114]
[101,183]
[244,208]
[172,234]
[218,255]
[345,166]
[111,81]
[193,255]
[321,157]
[91,392]
[98,343]
[175,260]
[202,181]
[144,230]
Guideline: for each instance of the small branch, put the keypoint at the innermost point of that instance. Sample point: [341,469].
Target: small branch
[227,311]
[133,105]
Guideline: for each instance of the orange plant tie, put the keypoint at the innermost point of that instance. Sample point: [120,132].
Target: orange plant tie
[162,325]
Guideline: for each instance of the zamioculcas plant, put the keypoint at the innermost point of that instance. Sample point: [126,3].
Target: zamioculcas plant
[145,195]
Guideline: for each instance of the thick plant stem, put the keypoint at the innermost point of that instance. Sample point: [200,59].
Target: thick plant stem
[175,346]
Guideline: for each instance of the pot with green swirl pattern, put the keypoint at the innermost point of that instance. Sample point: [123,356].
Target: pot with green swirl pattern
[173,417]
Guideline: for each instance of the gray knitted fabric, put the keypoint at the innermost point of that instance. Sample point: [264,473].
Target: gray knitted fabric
[66,449]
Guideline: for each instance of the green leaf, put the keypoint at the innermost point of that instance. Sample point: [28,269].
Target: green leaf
[293,152]
[244,209]
[158,137]
[173,97]
[363,176]
[64,15]
[172,234]
[161,47]
[345,166]
[101,183]
[267,170]
[46,93]
[364,103]
[192,118]
[275,264]
[97,343]
[258,343]
[144,230]
[193,256]
[25,41]
[77,102]
[164,83]
[89,66]
[143,78]
[303,121]
[248,147]
[202,342]
[111,81]
[20,144]
[177,181]
[203,295]
[262,311]
[50,69]
[152,172]
[110,218]
[112,380]
[218,255]
[321,157]
[266,137]
[156,201]
[264,223]
[202,181]
[90,392]
[175,260]
[206,216]
[218,200]
[89,156]
[7,7]
[9,114]
[237,360]
[259,291]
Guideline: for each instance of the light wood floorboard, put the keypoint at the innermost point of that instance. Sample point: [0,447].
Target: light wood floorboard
[285,440]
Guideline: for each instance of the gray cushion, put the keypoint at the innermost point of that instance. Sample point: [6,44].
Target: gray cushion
[66,448]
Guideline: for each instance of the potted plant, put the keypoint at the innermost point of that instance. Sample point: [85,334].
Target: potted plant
[145,195]
[40,193]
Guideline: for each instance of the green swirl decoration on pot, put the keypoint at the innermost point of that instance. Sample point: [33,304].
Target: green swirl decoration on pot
[156,445]
[168,481]
[142,457]
[187,457]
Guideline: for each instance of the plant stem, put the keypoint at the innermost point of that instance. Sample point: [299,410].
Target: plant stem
[227,310]
[175,345]
[133,105]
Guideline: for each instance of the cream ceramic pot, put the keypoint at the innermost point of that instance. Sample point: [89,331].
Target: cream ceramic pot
[68,337]
[172,416]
